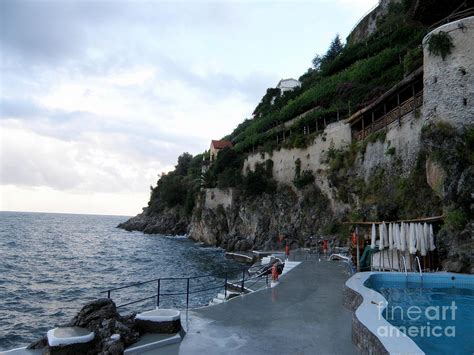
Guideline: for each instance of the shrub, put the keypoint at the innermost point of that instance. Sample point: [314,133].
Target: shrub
[456,220]
[440,43]
[257,182]
[305,178]
[390,151]
[230,177]
[412,60]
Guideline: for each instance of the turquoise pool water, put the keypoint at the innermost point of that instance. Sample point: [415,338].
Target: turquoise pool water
[438,314]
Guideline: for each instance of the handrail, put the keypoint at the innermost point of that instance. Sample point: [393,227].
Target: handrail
[173,278]
[419,267]
[453,17]
[240,283]
[405,266]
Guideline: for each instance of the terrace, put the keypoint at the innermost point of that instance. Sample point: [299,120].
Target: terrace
[401,99]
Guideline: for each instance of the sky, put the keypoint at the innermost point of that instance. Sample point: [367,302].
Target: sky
[98,98]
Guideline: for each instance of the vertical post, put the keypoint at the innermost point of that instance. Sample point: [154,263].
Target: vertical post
[158,293]
[187,293]
[225,286]
[358,251]
[108,294]
[243,280]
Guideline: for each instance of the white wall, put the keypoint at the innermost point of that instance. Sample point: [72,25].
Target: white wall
[445,84]
[336,134]
[216,197]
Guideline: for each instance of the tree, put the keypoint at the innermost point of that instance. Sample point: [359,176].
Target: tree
[184,161]
[335,48]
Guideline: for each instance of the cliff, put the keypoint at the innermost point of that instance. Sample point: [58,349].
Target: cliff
[370,136]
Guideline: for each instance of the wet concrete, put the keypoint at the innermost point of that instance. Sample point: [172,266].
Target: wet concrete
[302,315]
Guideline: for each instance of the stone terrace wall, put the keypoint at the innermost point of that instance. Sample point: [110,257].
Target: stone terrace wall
[337,135]
[404,136]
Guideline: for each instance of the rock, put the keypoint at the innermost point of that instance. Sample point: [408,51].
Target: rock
[101,317]
[435,176]
[255,223]
[169,222]
[39,344]
[112,347]
[94,313]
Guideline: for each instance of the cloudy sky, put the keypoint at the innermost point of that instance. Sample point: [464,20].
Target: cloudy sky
[99,97]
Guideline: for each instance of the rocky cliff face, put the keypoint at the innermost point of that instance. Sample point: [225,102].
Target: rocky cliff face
[168,221]
[256,223]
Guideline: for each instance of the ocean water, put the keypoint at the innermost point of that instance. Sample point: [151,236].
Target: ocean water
[51,264]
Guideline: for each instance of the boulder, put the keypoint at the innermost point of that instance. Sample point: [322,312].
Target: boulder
[101,317]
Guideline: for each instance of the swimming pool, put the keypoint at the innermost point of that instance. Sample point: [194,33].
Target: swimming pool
[433,314]
[438,313]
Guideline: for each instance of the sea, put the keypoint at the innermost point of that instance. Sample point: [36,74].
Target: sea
[52,264]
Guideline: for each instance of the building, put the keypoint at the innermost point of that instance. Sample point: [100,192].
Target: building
[288,84]
[217,146]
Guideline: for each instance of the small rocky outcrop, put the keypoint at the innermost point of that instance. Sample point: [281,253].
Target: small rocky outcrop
[101,317]
[169,222]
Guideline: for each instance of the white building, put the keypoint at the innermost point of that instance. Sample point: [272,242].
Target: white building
[288,84]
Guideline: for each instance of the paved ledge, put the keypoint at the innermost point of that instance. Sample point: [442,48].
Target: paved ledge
[366,320]
[302,315]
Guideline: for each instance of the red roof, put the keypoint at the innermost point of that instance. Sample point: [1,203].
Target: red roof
[221,144]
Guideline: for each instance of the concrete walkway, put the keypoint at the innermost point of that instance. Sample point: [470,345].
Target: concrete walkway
[302,315]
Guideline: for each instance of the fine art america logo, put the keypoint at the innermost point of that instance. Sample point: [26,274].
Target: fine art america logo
[421,321]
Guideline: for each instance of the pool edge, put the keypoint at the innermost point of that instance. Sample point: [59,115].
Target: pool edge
[366,304]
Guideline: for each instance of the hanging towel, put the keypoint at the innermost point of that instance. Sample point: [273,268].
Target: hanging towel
[373,237]
[424,239]
[381,237]
[403,241]
[390,236]
[396,236]
[432,243]
[412,239]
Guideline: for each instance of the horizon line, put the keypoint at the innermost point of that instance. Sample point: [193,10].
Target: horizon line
[73,213]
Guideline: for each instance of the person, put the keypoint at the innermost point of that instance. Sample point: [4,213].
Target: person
[287,251]
[325,246]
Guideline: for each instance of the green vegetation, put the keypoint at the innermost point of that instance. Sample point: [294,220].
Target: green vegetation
[341,81]
[177,189]
[441,44]
[455,219]
[302,178]
[259,181]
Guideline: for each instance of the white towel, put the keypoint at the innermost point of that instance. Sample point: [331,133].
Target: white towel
[432,243]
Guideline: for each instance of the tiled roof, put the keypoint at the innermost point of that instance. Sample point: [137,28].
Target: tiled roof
[221,144]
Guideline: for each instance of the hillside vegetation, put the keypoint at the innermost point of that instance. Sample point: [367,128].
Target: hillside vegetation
[344,79]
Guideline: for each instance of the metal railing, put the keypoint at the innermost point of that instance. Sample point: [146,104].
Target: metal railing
[182,286]
[457,15]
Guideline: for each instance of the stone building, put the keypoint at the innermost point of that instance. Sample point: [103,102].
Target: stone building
[217,146]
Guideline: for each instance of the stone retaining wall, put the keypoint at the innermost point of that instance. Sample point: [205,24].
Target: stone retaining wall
[364,339]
